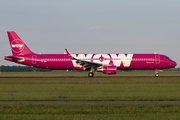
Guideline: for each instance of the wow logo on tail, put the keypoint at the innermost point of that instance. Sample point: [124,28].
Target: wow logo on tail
[17,46]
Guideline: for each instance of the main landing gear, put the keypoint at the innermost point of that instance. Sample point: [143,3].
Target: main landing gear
[156,73]
[90,74]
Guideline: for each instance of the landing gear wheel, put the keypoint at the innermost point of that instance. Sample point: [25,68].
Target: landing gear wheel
[156,75]
[90,74]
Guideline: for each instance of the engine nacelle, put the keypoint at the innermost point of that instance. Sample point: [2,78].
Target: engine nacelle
[109,69]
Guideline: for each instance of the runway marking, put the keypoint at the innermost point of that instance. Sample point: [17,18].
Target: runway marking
[90,102]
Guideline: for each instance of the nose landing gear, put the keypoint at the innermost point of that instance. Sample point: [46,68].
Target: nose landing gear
[156,73]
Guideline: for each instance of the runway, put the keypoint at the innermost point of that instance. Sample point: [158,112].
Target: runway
[90,102]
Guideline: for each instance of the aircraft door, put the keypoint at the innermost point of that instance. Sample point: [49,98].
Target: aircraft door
[34,57]
[157,59]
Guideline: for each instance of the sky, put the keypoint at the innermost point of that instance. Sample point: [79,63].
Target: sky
[92,26]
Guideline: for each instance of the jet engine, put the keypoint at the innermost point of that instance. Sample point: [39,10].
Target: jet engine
[108,69]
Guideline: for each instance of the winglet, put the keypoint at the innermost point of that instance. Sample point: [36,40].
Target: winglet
[69,54]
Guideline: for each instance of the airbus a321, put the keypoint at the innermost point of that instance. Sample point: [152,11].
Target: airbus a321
[106,63]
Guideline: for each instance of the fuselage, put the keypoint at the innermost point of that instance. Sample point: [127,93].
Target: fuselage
[122,61]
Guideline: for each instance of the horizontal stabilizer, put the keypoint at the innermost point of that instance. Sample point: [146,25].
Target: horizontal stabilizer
[15,58]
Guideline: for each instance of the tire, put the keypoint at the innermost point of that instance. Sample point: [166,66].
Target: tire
[90,74]
[156,75]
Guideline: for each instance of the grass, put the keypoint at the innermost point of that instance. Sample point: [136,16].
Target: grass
[132,86]
[90,111]
[81,88]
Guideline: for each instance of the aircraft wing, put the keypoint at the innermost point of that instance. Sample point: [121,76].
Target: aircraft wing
[86,64]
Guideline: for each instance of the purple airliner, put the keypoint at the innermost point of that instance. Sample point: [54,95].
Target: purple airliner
[106,63]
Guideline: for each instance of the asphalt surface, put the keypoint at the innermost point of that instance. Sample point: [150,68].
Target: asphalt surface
[90,102]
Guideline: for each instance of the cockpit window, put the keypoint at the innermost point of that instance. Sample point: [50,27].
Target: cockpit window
[167,59]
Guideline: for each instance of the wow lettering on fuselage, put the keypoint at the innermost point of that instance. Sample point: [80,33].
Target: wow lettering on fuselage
[113,59]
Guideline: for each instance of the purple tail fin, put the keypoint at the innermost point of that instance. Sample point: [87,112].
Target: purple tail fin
[18,47]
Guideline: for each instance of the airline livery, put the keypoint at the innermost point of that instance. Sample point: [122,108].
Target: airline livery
[106,63]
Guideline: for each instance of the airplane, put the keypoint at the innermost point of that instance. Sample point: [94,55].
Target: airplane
[106,63]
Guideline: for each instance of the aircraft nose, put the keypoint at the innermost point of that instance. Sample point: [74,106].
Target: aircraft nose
[173,64]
